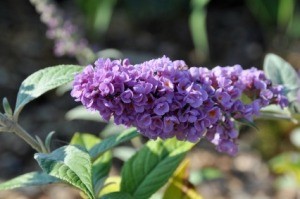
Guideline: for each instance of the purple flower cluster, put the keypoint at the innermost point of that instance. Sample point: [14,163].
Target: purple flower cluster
[164,98]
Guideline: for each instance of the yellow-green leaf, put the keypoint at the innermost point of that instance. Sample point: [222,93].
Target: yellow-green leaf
[179,185]
[112,184]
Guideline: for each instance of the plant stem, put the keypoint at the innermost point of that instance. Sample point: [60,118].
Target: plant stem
[14,127]
[22,133]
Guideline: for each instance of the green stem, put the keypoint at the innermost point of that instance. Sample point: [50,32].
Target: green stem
[22,133]
[14,127]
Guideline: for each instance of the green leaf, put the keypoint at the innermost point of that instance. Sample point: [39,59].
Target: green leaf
[85,140]
[41,144]
[42,81]
[7,107]
[112,129]
[112,141]
[70,164]
[150,168]
[112,184]
[124,152]
[110,53]
[29,179]
[179,185]
[101,166]
[81,113]
[48,141]
[275,112]
[281,72]
[117,195]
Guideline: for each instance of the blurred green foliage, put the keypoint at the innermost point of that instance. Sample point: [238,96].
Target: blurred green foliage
[275,17]
[98,14]
[197,23]
[205,174]
[148,10]
[282,15]
[287,164]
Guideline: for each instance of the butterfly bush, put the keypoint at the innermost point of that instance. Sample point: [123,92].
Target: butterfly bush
[164,98]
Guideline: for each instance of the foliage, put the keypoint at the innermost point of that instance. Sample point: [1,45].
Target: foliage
[198,26]
[287,164]
[98,14]
[282,73]
[277,14]
[179,185]
[151,167]
[42,81]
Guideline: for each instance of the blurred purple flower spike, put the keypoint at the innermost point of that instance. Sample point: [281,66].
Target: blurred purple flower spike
[66,36]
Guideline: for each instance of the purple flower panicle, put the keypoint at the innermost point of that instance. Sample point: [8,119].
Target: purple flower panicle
[164,98]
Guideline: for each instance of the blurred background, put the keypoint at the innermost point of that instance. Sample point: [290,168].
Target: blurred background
[34,35]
